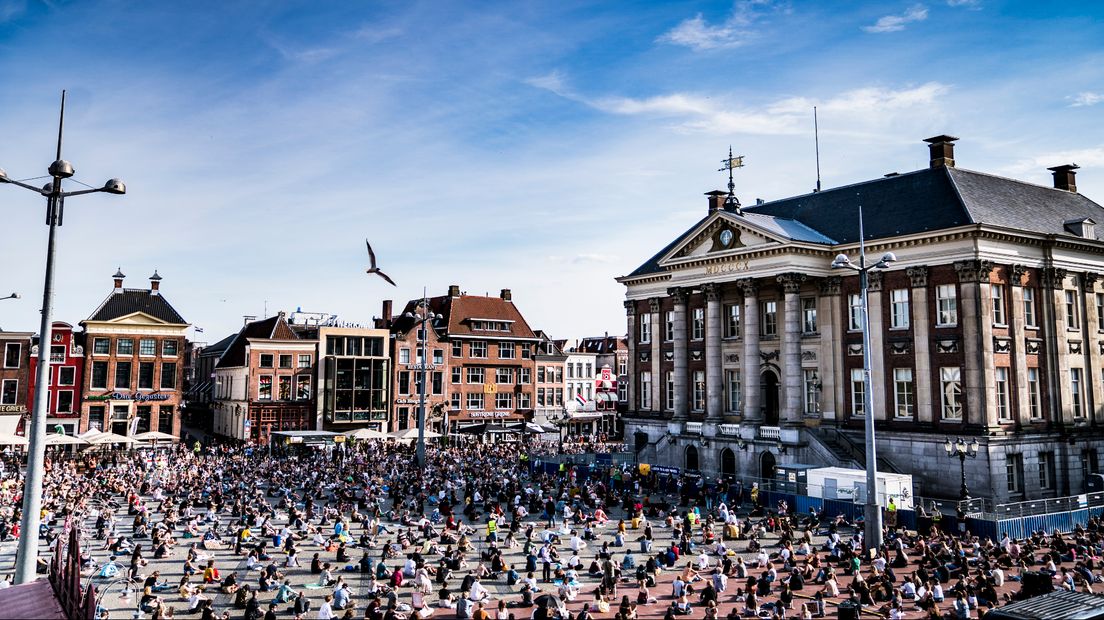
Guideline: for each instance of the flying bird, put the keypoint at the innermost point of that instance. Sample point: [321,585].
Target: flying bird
[373,268]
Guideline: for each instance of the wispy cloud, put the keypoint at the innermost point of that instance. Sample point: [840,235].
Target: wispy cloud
[377,34]
[966,4]
[738,29]
[552,82]
[10,9]
[895,23]
[1085,99]
[1037,164]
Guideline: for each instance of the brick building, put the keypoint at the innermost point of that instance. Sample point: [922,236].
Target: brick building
[66,377]
[480,354]
[745,347]
[14,378]
[264,382]
[133,370]
[550,392]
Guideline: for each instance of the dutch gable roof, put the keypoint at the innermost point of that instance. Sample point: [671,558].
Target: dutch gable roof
[130,301]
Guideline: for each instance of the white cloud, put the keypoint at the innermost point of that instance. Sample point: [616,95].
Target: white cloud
[552,82]
[968,4]
[1085,99]
[697,34]
[1037,164]
[894,23]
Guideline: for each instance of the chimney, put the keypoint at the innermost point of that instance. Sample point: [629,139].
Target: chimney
[387,312]
[118,279]
[454,290]
[716,200]
[506,295]
[248,318]
[155,283]
[942,151]
[1065,177]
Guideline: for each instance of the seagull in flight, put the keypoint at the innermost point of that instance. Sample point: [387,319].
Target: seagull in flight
[373,268]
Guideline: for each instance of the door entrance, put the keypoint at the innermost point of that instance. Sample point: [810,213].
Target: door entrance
[767,466]
[769,382]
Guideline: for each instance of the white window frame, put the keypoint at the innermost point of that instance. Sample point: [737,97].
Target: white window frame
[475,375]
[1029,308]
[525,376]
[1013,468]
[142,342]
[504,400]
[119,346]
[1100,312]
[524,400]
[854,312]
[809,315]
[698,392]
[129,372]
[73,379]
[997,293]
[15,392]
[1034,396]
[668,391]
[1073,312]
[166,344]
[732,320]
[946,305]
[1077,393]
[1046,470]
[899,309]
[646,390]
[858,392]
[697,324]
[668,326]
[71,395]
[477,350]
[1001,376]
[507,350]
[811,392]
[768,318]
[504,375]
[734,391]
[96,341]
[404,355]
[904,394]
[950,383]
[304,360]
[645,328]
[474,401]
[18,353]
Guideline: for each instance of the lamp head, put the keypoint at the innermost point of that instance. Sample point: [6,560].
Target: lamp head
[61,169]
[948,446]
[888,257]
[841,261]
[114,186]
[4,176]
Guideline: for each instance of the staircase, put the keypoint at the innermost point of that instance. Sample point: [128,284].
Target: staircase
[848,448]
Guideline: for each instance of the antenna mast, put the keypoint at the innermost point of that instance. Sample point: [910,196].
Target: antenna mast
[730,164]
[816,141]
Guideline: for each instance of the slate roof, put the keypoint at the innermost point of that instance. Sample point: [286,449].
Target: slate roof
[457,312]
[122,302]
[915,202]
[272,328]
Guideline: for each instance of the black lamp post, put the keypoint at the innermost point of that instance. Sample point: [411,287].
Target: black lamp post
[959,448]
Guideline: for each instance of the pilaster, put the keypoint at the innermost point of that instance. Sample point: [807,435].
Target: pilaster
[681,365]
[970,275]
[1018,333]
[877,351]
[753,411]
[791,348]
[1094,395]
[921,342]
[630,321]
[714,373]
[1058,358]
[831,346]
[655,306]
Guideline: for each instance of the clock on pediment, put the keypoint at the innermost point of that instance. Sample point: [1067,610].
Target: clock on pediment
[726,238]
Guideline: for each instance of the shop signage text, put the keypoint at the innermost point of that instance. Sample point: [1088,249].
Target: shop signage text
[141,398]
[13,409]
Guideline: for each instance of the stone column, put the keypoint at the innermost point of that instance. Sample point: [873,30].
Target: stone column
[921,342]
[877,350]
[714,372]
[792,388]
[753,411]
[682,368]
[654,306]
[1016,330]
[970,275]
[831,348]
[630,320]
[1094,389]
[1057,340]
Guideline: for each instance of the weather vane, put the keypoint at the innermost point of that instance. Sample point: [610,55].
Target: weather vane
[731,163]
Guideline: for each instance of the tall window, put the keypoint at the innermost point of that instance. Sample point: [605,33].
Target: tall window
[65,401]
[854,313]
[732,389]
[478,349]
[101,346]
[899,308]
[147,346]
[858,392]
[1046,470]
[476,375]
[67,375]
[507,350]
[458,350]
[950,379]
[699,390]
[122,375]
[9,392]
[404,356]
[946,305]
[302,387]
[645,390]
[145,375]
[1072,318]
[475,401]
[99,376]
[1089,463]
[267,360]
[283,387]
[998,303]
[904,393]
[809,315]
[697,325]
[669,391]
[646,327]
[1013,467]
[1076,397]
[168,349]
[732,321]
[1034,400]
[1004,410]
[404,382]
[264,387]
[768,323]
[1100,312]
[525,376]
[1029,307]
[12,351]
[124,346]
[812,391]
[668,326]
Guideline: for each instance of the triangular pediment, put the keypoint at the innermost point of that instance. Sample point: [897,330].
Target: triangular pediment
[137,318]
[723,232]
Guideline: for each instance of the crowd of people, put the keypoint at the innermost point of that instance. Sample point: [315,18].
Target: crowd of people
[362,532]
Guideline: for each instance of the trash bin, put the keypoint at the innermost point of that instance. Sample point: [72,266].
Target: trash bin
[847,610]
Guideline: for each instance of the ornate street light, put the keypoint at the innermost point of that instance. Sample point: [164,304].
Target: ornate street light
[959,448]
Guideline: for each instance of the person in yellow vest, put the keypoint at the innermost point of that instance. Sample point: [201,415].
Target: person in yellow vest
[891,513]
[492,530]
[754,494]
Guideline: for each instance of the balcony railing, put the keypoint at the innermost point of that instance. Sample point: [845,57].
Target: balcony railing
[694,428]
[730,429]
[770,432]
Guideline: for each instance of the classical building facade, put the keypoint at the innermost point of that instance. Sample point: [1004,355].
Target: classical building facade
[133,364]
[745,347]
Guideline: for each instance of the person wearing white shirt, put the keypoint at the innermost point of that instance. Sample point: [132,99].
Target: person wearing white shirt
[908,590]
[577,544]
[998,576]
[703,560]
[937,592]
[325,612]
[478,592]
[879,563]
[762,559]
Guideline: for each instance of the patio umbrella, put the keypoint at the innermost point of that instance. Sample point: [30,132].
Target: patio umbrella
[111,438]
[155,436]
[366,433]
[412,433]
[12,440]
[58,439]
[475,429]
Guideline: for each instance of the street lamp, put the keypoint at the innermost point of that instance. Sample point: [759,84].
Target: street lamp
[961,449]
[13,295]
[421,319]
[872,512]
[27,557]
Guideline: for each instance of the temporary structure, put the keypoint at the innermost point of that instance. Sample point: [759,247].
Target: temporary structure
[366,433]
[155,436]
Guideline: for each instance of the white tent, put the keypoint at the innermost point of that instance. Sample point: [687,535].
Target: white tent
[12,440]
[155,436]
[366,433]
[412,433]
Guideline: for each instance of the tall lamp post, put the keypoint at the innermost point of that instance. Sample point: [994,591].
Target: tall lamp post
[421,319]
[27,558]
[959,448]
[872,512]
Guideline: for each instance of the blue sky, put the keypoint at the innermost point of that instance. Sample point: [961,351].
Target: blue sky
[542,147]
